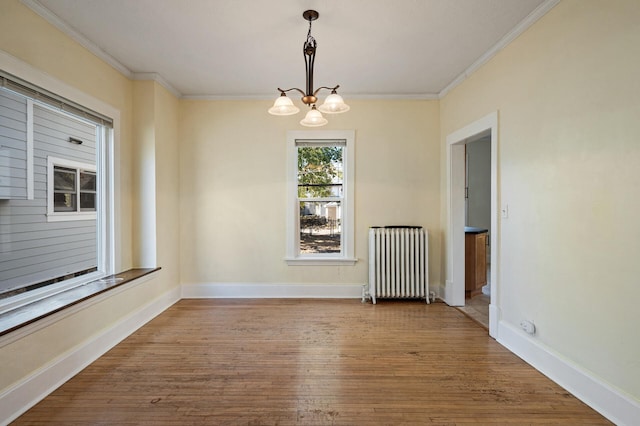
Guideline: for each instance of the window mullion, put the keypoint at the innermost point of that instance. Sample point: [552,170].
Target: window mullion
[77,190]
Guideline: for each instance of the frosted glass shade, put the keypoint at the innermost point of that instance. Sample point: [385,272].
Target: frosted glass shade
[283,106]
[334,104]
[314,118]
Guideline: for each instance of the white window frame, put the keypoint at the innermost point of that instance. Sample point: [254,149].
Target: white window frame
[347,253]
[108,215]
[54,216]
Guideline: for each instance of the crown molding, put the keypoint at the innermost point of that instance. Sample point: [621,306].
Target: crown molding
[396,96]
[154,76]
[403,96]
[531,19]
[55,20]
[230,97]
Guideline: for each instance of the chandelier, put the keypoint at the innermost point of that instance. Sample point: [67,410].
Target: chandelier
[333,104]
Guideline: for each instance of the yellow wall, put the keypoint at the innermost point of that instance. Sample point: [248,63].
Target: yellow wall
[143,155]
[167,195]
[155,178]
[233,198]
[27,37]
[567,95]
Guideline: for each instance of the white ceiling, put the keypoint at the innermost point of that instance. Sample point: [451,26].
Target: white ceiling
[248,48]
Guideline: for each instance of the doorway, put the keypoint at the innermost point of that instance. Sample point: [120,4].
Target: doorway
[477,229]
[454,290]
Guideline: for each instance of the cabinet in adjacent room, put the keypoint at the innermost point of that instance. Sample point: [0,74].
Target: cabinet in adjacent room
[475,260]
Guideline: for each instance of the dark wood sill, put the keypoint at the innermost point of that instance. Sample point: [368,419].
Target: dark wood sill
[32,312]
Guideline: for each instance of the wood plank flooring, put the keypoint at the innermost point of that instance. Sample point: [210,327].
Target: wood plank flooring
[309,362]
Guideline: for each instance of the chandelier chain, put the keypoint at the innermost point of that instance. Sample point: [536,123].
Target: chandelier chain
[309,36]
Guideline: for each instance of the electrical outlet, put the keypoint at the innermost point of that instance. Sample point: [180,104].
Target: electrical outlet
[528,326]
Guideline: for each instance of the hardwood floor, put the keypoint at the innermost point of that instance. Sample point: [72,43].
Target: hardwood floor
[309,362]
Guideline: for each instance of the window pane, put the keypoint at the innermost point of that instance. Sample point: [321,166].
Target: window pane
[87,201]
[87,181]
[319,171]
[52,248]
[64,202]
[320,227]
[64,179]
[87,191]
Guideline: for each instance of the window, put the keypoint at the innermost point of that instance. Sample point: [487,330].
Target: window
[61,233]
[72,190]
[320,193]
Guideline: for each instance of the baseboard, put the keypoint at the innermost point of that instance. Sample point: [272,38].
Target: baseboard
[618,407]
[271,291]
[29,391]
[494,318]
[438,289]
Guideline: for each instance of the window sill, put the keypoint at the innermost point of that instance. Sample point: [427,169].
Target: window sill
[65,217]
[328,261]
[25,315]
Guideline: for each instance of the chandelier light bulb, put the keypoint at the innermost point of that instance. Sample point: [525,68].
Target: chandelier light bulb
[283,106]
[314,118]
[334,104]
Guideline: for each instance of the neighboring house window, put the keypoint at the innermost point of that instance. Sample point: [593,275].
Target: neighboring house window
[72,190]
[320,193]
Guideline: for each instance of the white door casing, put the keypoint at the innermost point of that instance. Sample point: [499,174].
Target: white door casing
[455,163]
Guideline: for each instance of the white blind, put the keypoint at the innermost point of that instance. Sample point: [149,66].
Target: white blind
[321,142]
[16,84]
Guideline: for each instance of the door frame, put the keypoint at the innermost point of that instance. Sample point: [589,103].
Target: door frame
[455,163]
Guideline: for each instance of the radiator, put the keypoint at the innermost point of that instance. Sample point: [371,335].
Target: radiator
[398,263]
